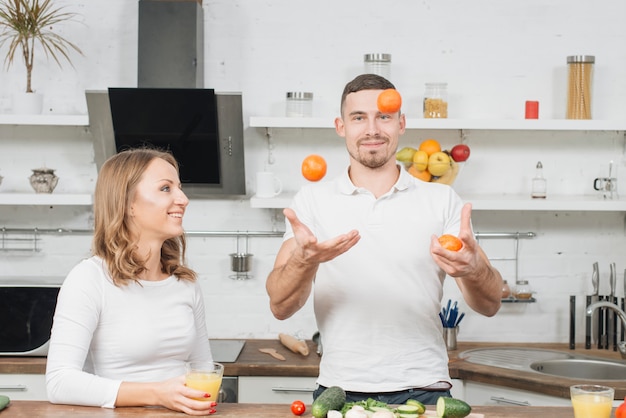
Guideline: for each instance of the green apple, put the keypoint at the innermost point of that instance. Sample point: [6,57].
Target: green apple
[438,163]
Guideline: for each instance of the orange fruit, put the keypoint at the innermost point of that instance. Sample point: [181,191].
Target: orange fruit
[314,167]
[450,242]
[423,175]
[389,101]
[431,146]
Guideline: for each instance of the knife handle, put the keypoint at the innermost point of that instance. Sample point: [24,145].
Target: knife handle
[588,326]
[572,322]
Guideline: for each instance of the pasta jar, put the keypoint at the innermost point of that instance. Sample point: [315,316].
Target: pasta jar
[378,64]
[580,73]
[299,104]
[436,100]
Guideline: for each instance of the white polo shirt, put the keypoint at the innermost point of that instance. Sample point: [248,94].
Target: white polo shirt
[377,305]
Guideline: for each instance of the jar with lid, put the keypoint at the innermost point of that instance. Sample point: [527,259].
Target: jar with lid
[580,73]
[522,290]
[436,100]
[299,104]
[379,64]
[506,290]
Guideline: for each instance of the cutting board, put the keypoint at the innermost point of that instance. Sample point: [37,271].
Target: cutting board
[434,414]
[226,351]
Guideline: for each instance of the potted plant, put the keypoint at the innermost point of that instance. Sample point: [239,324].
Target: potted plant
[23,25]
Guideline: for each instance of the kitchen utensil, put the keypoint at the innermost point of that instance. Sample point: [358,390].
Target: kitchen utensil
[611,318]
[595,297]
[587,325]
[241,262]
[572,322]
[272,352]
[317,339]
[294,344]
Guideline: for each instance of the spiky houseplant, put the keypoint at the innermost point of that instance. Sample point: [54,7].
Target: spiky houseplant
[25,23]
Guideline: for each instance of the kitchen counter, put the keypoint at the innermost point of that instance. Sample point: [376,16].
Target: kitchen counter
[251,362]
[42,409]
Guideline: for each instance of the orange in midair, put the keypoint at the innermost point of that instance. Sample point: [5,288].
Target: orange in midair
[389,101]
[314,167]
[450,242]
[431,146]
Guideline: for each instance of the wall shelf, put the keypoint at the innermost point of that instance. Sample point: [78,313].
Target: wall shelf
[59,199]
[45,120]
[454,124]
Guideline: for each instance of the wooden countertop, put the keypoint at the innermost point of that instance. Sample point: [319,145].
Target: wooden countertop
[251,362]
[42,409]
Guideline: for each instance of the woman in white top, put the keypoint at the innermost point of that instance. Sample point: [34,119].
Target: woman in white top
[130,316]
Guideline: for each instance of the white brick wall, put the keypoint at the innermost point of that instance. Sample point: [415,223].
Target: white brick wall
[494,55]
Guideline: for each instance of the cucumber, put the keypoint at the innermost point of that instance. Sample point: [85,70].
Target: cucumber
[408,410]
[452,408]
[421,408]
[4,401]
[333,398]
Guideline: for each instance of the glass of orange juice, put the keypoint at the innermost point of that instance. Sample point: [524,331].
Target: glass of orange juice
[205,376]
[592,401]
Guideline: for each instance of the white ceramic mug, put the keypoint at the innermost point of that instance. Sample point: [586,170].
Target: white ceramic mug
[267,184]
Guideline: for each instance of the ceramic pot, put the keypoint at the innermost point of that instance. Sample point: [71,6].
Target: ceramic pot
[27,103]
[43,180]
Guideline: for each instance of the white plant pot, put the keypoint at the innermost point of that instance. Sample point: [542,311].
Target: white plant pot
[27,103]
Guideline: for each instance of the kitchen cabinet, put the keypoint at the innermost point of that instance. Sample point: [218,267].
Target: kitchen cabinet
[270,389]
[480,202]
[31,387]
[485,394]
[46,121]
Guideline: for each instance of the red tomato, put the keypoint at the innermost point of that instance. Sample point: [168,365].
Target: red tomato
[298,407]
[620,412]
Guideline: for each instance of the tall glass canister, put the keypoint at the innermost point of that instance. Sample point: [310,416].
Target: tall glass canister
[579,86]
[378,64]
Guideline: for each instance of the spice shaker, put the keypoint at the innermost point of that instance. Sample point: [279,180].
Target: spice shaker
[580,77]
[540,184]
[436,100]
[379,64]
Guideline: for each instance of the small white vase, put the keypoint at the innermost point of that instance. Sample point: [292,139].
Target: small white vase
[27,103]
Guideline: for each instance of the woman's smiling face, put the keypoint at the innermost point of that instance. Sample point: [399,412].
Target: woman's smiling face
[158,203]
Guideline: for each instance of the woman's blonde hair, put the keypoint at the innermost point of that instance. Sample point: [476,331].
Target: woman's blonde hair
[113,241]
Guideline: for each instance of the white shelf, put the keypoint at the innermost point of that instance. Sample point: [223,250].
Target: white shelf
[495,202]
[45,120]
[59,199]
[453,124]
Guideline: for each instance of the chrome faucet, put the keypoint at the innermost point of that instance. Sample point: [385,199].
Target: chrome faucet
[621,346]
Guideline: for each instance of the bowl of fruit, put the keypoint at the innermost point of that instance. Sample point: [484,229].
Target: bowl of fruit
[429,162]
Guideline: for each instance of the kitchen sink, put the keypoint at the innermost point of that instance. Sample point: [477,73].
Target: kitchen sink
[550,362]
[582,368]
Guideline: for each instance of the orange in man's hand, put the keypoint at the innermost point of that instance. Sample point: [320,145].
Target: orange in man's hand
[389,101]
[314,167]
[450,242]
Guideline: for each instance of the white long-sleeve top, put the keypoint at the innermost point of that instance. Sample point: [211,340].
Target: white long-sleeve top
[104,334]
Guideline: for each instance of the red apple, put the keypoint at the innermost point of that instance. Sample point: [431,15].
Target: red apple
[460,153]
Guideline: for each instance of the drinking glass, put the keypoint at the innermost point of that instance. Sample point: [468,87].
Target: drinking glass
[592,401]
[205,376]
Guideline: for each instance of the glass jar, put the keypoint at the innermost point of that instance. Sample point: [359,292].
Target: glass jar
[436,100]
[379,64]
[506,290]
[299,104]
[522,290]
[580,73]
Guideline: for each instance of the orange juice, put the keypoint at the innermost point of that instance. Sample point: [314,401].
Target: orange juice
[207,382]
[591,406]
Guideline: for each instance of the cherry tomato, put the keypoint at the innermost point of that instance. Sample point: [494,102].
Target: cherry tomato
[298,407]
[620,412]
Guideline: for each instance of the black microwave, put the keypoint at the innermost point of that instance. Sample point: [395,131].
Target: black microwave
[26,313]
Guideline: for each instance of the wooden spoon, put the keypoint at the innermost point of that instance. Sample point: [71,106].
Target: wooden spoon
[272,352]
